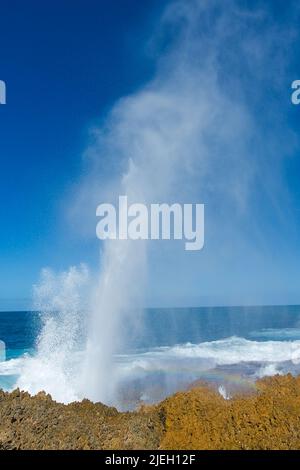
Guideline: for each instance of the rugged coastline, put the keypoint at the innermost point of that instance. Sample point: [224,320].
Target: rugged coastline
[199,418]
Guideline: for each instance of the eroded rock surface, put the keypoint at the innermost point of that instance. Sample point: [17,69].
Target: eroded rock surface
[197,419]
[40,423]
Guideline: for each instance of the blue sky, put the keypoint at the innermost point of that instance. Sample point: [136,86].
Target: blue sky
[65,66]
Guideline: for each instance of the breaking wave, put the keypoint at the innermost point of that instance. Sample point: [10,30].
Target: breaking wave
[153,374]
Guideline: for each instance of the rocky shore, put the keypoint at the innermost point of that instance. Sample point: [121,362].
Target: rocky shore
[200,418]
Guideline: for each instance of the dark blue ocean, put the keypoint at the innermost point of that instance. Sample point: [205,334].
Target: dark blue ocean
[179,346]
[168,327]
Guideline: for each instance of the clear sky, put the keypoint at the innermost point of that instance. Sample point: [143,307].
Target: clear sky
[65,64]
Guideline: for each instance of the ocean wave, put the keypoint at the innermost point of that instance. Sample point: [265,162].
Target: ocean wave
[204,355]
[228,351]
[167,367]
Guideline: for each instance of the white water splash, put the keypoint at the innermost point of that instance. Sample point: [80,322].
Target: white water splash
[54,368]
[187,128]
[223,392]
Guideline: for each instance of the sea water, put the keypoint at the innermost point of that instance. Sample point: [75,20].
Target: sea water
[230,347]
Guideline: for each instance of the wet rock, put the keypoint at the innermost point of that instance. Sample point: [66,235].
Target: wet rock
[199,418]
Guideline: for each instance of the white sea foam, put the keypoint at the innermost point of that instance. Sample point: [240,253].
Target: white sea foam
[234,350]
[174,365]
[204,356]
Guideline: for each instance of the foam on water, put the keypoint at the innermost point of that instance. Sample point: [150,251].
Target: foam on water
[234,350]
[168,367]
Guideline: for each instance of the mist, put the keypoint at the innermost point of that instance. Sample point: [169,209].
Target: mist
[196,133]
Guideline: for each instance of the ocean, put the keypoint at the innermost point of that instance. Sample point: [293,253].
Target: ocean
[229,347]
